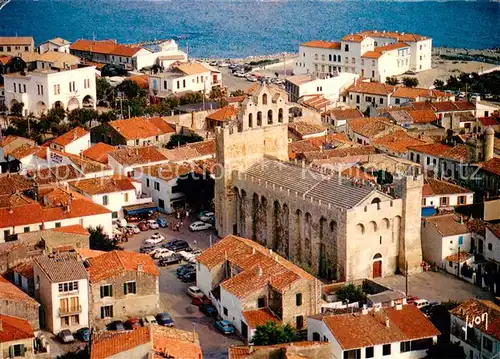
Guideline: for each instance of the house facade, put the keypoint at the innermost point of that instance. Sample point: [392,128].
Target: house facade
[17,340]
[15,46]
[14,302]
[74,141]
[56,44]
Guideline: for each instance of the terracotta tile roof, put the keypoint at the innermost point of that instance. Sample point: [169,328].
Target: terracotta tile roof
[25,269]
[318,102]
[58,59]
[476,226]
[175,343]
[106,344]
[390,47]
[141,80]
[16,40]
[370,126]
[322,44]
[25,151]
[434,187]
[300,79]
[9,291]
[422,116]
[235,99]
[414,93]
[115,263]
[356,330]
[302,128]
[100,185]
[398,36]
[314,144]
[476,307]
[489,121]
[168,171]
[190,151]
[354,38]
[244,351]
[86,253]
[259,317]
[137,155]
[372,55]
[70,136]
[374,88]
[74,229]
[344,114]
[464,256]
[99,152]
[458,152]
[341,152]
[448,224]
[259,267]
[224,114]
[492,166]
[192,68]
[14,328]
[494,228]
[207,165]
[58,41]
[140,127]
[397,142]
[4,59]
[107,47]
[11,183]
[62,267]
[55,174]
[356,172]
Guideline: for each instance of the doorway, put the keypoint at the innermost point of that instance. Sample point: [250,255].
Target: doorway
[377,266]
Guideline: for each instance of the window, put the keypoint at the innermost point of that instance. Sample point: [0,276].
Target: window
[57,89]
[129,288]
[424,201]
[460,240]
[369,352]
[107,311]
[106,290]
[462,199]
[397,101]
[161,203]
[114,215]
[224,309]
[16,350]
[125,197]
[490,246]
[68,287]
[346,47]
[428,160]
[405,347]
[298,299]
[261,302]
[137,142]
[183,83]
[443,201]
[386,349]
[157,186]
[368,99]
[105,200]
[299,322]
[487,344]
[147,182]
[352,354]
[381,101]
[64,321]
[58,224]
[357,98]
[325,339]
[75,319]
[450,264]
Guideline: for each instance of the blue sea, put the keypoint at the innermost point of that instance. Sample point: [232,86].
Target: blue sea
[227,28]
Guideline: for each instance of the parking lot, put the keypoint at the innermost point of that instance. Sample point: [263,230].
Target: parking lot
[173,292]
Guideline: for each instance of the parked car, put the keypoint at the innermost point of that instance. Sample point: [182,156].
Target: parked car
[162,222]
[170,243]
[411,299]
[143,226]
[132,323]
[147,248]
[204,216]
[165,319]
[188,277]
[184,269]
[195,292]
[133,228]
[83,334]
[117,325]
[419,303]
[155,238]
[153,224]
[199,226]
[208,310]
[180,246]
[120,223]
[171,259]
[224,327]
[149,320]
[200,300]
[162,253]
[65,336]
[427,309]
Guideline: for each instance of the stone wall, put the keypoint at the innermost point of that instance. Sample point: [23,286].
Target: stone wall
[25,310]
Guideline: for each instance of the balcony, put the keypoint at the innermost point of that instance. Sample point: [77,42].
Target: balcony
[70,311]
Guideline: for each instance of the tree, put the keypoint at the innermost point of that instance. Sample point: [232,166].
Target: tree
[410,81]
[98,240]
[238,92]
[439,84]
[350,294]
[132,108]
[17,108]
[82,116]
[217,95]
[130,89]
[393,81]
[107,116]
[104,91]
[190,98]
[446,351]
[273,333]
[180,140]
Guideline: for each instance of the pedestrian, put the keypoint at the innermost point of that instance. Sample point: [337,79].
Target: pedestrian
[182,223]
[194,242]
[187,214]
[178,215]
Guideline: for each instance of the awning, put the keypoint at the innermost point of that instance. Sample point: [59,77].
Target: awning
[139,208]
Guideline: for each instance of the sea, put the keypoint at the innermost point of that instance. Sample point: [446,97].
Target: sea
[241,28]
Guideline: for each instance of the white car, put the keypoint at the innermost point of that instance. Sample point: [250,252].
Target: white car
[133,228]
[149,320]
[164,254]
[120,222]
[155,238]
[207,216]
[157,251]
[153,224]
[195,292]
[199,226]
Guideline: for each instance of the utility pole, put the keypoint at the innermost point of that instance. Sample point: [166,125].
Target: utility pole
[406,278]
[458,267]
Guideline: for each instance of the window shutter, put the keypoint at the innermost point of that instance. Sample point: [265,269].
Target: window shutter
[102,292]
[110,290]
[23,349]
[102,312]
[111,310]
[11,351]
[124,288]
[135,289]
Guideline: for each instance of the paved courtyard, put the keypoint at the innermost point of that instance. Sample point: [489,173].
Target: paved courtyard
[436,286]
[175,300]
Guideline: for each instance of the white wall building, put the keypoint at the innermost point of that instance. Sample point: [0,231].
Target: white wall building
[330,87]
[43,89]
[62,287]
[74,141]
[57,44]
[492,244]
[371,54]
[375,333]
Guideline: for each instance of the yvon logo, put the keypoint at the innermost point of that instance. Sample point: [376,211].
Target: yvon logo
[475,321]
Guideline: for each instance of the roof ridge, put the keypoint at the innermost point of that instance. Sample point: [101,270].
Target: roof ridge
[115,252]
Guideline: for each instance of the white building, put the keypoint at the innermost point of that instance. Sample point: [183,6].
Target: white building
[474,325]
[492,243]
[401,332]
[62,287]
[112,192]
[184,77]
[43,89]
[370,54]
[443,194]
[330,87]
[57,44]
[74,141]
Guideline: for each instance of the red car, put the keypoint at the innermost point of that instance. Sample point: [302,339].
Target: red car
[411,299]
[143,226]
[132,323]
[199,301]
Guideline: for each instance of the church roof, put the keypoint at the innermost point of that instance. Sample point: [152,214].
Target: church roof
[308,183]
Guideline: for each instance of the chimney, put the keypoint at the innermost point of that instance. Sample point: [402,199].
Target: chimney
[250,349]
[259,271]
[399,306]
[365,310]
[387,323]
